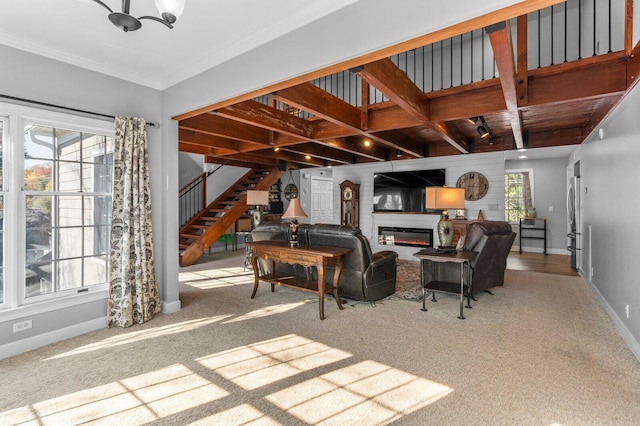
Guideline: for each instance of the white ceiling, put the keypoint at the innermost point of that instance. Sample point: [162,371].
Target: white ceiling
[208,33]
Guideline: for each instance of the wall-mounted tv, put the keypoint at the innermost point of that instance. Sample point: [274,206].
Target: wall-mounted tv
[403,192]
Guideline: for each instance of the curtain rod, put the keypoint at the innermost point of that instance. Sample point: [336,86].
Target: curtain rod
[13,98]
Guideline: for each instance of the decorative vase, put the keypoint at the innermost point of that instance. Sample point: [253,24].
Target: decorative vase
[531,212]
[445,231]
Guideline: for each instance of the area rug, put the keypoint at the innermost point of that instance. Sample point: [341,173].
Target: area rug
[408,281]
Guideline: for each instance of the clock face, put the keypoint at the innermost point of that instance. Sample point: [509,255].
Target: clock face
[347,194]
[475,185]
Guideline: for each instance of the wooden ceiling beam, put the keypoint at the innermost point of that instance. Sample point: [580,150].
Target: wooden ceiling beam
[500,37]
[208,140]
[323,152]
[385,76]
[294,157]
[321,103]
[256,114]
[313,99]
[230,162]
[224,127]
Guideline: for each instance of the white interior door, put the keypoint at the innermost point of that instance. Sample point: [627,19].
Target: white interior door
[321,200]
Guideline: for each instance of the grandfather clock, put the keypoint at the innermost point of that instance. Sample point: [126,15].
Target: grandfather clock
[350,204]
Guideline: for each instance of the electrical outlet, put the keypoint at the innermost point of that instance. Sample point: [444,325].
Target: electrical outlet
[21,326]
[626,309]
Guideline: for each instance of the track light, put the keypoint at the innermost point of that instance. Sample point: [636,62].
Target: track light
[473,120]
[490,139]
[398,153]
[483,132]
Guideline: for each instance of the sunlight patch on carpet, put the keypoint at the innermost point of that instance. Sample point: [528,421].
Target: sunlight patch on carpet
[267,311]
[365,393]
[132,401]
[241,415]
[263,363]
[144,334]
[216,278]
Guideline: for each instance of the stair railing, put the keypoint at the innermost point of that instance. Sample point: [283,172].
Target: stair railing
[192,197]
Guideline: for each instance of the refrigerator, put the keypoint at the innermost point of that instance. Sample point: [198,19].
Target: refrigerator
[575,224]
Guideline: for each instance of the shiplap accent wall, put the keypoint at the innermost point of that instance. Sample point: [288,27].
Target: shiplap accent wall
[491,165]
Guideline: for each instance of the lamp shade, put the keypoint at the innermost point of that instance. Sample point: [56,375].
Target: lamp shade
[294,210]
[257,198]
[444,198]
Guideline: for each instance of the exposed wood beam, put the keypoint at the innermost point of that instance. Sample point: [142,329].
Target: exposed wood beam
[267,117]
[255,158]
[230,162]
[323,152]
[311,98]
[522,66]
[394,84]
[502,14]
[220,126]
[209,140]
[500,37]
[294,157]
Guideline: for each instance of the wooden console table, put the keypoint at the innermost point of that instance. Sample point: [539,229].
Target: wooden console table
[305,255]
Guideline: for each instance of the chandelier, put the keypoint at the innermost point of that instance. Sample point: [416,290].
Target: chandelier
[170,11]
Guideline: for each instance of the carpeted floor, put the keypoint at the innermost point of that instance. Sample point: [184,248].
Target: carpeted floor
[540,352]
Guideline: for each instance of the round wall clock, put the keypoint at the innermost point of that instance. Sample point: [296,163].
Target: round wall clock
[475,185]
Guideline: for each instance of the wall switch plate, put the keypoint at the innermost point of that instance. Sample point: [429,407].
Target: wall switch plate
[550,208]
[21,326]
[626,309]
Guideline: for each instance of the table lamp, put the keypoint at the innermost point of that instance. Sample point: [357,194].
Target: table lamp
[294,211]
[258,199]
[444,198]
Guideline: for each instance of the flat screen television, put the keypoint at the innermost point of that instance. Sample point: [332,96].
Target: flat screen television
[404,192]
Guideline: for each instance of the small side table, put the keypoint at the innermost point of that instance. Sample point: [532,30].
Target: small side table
[463,288]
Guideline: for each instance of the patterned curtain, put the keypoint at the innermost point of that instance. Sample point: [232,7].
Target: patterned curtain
[133,292]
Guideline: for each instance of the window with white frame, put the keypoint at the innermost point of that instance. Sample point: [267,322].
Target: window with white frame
[60,188]
[518,193]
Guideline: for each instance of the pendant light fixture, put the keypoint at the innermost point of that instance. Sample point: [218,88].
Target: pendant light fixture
[170,10]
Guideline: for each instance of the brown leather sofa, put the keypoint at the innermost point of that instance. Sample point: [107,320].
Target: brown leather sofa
[366,276]
[492,240]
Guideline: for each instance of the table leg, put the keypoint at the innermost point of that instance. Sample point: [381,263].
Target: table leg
[256,274]
[462,271]
[320,268]
[336,280]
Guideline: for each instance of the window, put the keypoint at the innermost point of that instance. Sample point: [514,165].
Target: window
[518,190]
[59,187]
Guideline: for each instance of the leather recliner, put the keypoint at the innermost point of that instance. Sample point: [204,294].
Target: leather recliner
[492,240]
[365,276]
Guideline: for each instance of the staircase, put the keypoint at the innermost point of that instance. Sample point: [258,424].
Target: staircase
[210,223]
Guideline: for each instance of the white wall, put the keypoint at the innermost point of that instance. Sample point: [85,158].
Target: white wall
[33,77]
[549,186]
[491,165]
[611,200]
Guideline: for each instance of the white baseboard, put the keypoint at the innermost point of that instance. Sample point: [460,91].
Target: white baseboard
[31,343]
[170,307]
[627,336]
[540,250]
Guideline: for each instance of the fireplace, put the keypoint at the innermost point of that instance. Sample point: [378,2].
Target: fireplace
[399,236]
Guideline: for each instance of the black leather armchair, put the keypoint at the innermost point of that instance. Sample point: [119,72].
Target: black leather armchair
[365,275]
[492,240]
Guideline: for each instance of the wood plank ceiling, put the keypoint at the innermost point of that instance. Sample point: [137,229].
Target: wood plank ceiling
[549,106]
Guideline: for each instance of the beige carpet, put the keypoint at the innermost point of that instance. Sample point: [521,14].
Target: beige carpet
[540,352]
